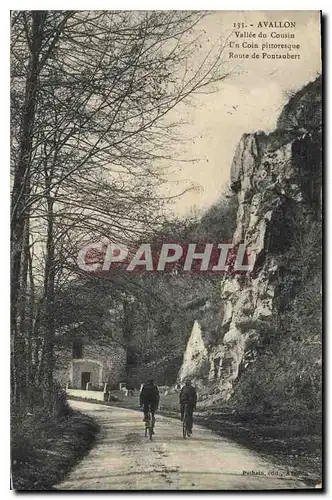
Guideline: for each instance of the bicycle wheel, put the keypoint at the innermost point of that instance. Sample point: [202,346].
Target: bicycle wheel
[185,422]
[184,428]
[150,427]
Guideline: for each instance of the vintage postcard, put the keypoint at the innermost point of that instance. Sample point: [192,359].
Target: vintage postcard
[166,245]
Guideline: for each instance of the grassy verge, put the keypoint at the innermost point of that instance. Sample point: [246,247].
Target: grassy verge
[285,443]
[46,447]
[289,443]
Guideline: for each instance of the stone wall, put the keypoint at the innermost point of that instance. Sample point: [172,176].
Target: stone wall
[96,395]
[96,369]
[106,362]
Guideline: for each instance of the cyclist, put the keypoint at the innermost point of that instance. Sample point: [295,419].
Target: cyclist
[188,396]
[149,399]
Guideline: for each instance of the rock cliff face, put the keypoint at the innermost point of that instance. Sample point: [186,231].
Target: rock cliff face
[195,356]
[277,177]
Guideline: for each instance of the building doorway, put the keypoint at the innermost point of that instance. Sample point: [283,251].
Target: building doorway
[85,378]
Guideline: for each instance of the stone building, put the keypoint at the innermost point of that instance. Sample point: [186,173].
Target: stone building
[98,363]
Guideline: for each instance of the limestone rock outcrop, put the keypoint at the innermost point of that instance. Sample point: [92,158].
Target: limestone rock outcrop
[195,356]
[275,176]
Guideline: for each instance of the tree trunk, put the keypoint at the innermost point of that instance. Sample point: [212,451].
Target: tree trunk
[21,193]
[49,331]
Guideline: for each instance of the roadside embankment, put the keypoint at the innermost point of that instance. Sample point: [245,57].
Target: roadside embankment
[285,441]
[45,446]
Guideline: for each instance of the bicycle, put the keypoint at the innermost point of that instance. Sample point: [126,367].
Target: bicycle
[185,430]
[149,424]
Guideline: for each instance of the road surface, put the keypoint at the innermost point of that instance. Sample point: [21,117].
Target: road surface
[123,459]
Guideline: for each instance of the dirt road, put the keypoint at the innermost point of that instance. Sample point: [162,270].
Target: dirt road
[123,459]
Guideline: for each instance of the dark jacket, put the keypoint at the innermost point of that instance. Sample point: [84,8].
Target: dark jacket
[188,394]
[149,394]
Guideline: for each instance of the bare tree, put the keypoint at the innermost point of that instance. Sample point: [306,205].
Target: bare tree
[91,97]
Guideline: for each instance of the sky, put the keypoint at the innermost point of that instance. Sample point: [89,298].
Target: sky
[258,91]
